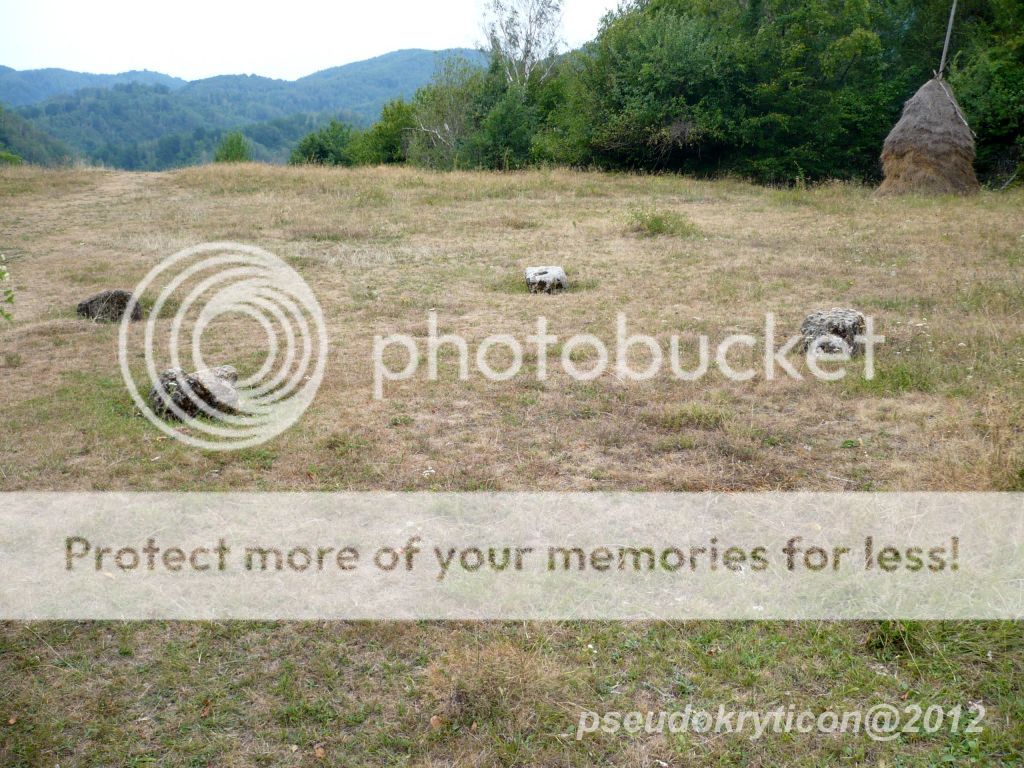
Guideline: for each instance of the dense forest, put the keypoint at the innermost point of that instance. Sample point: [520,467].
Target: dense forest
[775,90]
[20,88]
[20,141]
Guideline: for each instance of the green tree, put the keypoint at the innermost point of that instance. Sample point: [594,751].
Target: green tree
[507,131]
[446,114]
[388,140]
[328,146]
[233,148]
[989,82]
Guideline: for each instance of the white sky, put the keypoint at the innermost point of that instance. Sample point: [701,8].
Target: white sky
[199,38]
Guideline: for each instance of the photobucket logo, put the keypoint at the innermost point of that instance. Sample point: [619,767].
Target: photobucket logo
[774,359]
[211,407]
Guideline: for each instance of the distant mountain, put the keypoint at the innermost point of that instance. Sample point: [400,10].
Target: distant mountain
[34,85]
[155,126]
[27,142]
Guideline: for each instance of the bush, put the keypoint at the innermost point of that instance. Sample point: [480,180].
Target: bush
[507,131]
[651,223]
[388,140]
[331,145]
[9,158]
[233,148]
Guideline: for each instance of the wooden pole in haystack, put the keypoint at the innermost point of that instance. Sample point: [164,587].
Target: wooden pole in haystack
[949,34]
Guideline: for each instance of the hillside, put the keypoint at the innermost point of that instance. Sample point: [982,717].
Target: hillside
[24,140]
[154,126]
[18,89]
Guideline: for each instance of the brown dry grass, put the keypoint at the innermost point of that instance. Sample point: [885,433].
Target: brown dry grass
[943,278]
[382,246]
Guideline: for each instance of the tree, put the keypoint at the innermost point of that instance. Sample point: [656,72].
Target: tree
[328,146]
[446,115]
[233,148]
[524,36]
[388,140]
[507,131]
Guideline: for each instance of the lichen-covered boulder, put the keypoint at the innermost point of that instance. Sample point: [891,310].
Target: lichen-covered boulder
[108,306]
[546,280]
[213,386]
[836,327]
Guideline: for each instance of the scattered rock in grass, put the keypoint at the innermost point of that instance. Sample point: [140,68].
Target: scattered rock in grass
[213,386]
[837,326]
[546,279]
[109,306]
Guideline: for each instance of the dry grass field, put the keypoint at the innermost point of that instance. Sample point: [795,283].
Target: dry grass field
[943,278]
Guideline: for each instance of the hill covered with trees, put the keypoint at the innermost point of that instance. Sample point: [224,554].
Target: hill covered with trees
[20,141]
[145,126]
[18,89]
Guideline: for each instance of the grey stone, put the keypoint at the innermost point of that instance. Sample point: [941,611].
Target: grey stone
[109,306]
[546,279]
[835,325]
[213,386]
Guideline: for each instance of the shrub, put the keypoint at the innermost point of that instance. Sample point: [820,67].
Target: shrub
[651,223]
[9,158]
[233,148]
[388,140]
[331,145]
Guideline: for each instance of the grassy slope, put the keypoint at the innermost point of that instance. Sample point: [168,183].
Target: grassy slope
[942,277]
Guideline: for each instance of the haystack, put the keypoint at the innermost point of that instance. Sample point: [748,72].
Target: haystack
[931,148]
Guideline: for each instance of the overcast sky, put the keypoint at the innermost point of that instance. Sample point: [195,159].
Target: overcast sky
[200,38]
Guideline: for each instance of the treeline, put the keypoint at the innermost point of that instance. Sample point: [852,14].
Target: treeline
[145,128]
[268,142]
[776,90]
[20,141]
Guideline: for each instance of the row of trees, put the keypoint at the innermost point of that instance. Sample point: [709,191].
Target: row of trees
[777,90]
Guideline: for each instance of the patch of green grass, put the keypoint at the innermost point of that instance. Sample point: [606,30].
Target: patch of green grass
[904,304]
[894,379]
[891,640]
[693,416]
[344,444]
[516,283]
[510,284]
[374,196]
[258,458]
[675,444]
[167,310]
[1016,482]
[651,222]
[989,298]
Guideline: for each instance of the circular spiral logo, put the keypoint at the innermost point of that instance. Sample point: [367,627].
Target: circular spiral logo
[218,284]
